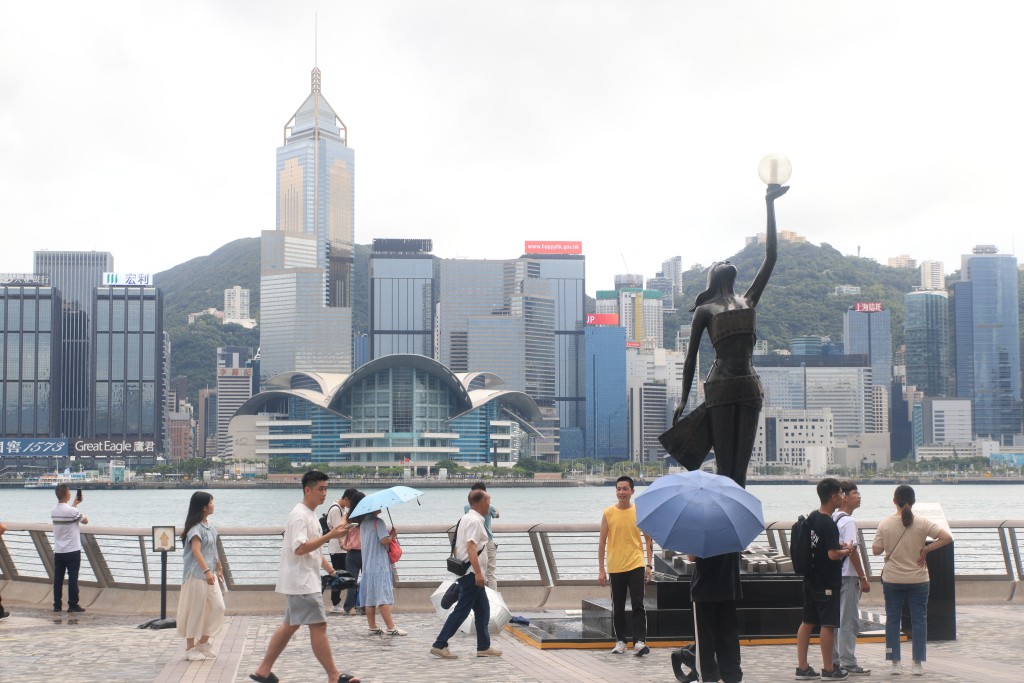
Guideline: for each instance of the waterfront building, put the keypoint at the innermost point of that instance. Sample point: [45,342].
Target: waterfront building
[606,426]
[75,274]
[401,409]
[234,387]
[927,333]
[980,448]
[840,383]
[945,420]
[866,331]
[306,285]
[933,275]
[795,439]
[403,295]
[206,425]
[130,372]
[30,361]
[987,342]
[649,412]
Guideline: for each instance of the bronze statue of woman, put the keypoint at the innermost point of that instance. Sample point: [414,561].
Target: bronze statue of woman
[727,420]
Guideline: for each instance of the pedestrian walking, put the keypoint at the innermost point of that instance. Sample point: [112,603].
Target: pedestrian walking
[353,554]
[626,568]
[298,578]
[821,586]
[200,602]
[377,587]
[855,582]
[336,515]
[905,580]
[471,546]
[67,547]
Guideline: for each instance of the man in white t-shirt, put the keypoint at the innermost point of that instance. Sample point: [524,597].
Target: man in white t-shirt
[67,548]
[855,582]
[470,544]
[298,578]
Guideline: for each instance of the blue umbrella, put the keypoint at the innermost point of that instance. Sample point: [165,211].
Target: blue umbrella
[385,499]
[699,514]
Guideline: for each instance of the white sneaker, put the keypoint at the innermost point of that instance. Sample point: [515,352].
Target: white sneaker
[337,609]
[620,648]
[207,649]
[194,655]
[640,648]
[395,632]
[897,668]
[917,669]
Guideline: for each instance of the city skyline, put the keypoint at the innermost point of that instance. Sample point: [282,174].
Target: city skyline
[514,142]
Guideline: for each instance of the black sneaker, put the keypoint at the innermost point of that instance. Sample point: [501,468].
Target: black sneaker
[58,608]
[857,670]
[837,673]
[75,608]
[4,614]
[808,674]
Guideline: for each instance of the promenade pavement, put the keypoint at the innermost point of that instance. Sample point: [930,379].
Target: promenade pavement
[39,646]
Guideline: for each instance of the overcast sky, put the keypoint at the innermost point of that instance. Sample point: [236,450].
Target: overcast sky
[149,129]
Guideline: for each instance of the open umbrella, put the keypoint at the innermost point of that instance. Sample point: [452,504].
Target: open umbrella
[385,499]
[500,614]
[699,513]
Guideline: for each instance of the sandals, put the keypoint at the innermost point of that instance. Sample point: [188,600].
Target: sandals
[347,678]
[269,678]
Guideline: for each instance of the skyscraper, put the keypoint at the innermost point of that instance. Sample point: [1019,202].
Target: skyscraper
[607,421]
[30,319]
[926,333]
[866,331]
[403,295]
[75,274]
[234,387]
[987,342]
[933,275]
[130,364]
[315,200]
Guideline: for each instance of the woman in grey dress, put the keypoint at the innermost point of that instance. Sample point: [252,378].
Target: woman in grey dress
[376,588]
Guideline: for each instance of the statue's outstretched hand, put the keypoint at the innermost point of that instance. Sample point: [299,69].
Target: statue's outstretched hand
[773,193]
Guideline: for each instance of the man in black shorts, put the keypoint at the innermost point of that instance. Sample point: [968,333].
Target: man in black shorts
[822,583]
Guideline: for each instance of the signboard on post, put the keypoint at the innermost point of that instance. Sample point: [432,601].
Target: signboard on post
[545,247]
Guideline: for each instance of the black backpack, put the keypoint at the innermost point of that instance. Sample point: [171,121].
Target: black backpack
[800,546]
[324,526]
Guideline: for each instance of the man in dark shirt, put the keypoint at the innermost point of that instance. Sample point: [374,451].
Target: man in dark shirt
[714,590]
[822,583]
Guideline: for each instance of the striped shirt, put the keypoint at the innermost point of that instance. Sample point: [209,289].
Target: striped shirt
[66,538]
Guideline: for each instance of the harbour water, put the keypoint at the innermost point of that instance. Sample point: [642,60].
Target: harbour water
[574,505]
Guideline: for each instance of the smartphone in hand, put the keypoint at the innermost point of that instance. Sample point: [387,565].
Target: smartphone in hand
[78,496]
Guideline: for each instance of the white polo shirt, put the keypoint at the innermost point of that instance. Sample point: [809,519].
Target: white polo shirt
[66,536]
[299,574]
[471,528]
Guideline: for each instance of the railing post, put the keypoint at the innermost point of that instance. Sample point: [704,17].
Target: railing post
[145,559]
[45,551]
[538,556]
[96,560]
[223,557]
[7,565]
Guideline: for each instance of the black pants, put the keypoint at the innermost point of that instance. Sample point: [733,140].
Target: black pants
[633,581]
[69,563]
[353,564]
[718,637]
[338,562]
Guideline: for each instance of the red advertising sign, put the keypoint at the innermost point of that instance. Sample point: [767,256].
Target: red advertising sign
[868,307]
[632,345]
[602,318]
[534,247]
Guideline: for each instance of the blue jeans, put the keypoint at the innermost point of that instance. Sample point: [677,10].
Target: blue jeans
[353,565]
[896,594]
[471,597]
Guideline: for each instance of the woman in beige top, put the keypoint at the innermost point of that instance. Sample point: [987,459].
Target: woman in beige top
[905,574]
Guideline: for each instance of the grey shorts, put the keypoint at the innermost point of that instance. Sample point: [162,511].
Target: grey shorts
[305,609]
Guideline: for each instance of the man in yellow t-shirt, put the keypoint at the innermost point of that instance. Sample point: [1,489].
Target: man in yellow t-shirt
[626,567]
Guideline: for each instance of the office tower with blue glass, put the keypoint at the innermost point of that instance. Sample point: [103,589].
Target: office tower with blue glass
[306,263]
[75,274]
[607,414]
[128,344]
[404,279]
[926,333]
[30,328]
[986,325]
[866,331]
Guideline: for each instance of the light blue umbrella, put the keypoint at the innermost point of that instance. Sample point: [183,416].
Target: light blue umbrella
[699,514]
[385,499]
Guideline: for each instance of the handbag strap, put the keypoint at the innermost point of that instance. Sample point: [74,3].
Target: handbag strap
[455,535]
[889,554]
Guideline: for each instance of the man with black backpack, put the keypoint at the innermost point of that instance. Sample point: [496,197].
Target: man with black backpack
[821,586]
[335,515]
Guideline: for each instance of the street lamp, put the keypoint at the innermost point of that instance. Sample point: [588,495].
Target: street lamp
[774,169]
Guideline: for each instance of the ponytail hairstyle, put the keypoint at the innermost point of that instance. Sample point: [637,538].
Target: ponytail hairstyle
[198,503]
[905,499]
[716,274]
[355,500]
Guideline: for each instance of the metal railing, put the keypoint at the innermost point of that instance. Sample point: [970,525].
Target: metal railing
[541,555]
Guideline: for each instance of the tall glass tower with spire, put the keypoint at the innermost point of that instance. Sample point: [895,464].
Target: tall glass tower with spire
[306,268]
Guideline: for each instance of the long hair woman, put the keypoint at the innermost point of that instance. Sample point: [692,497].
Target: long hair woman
[200,603]
[905,577]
